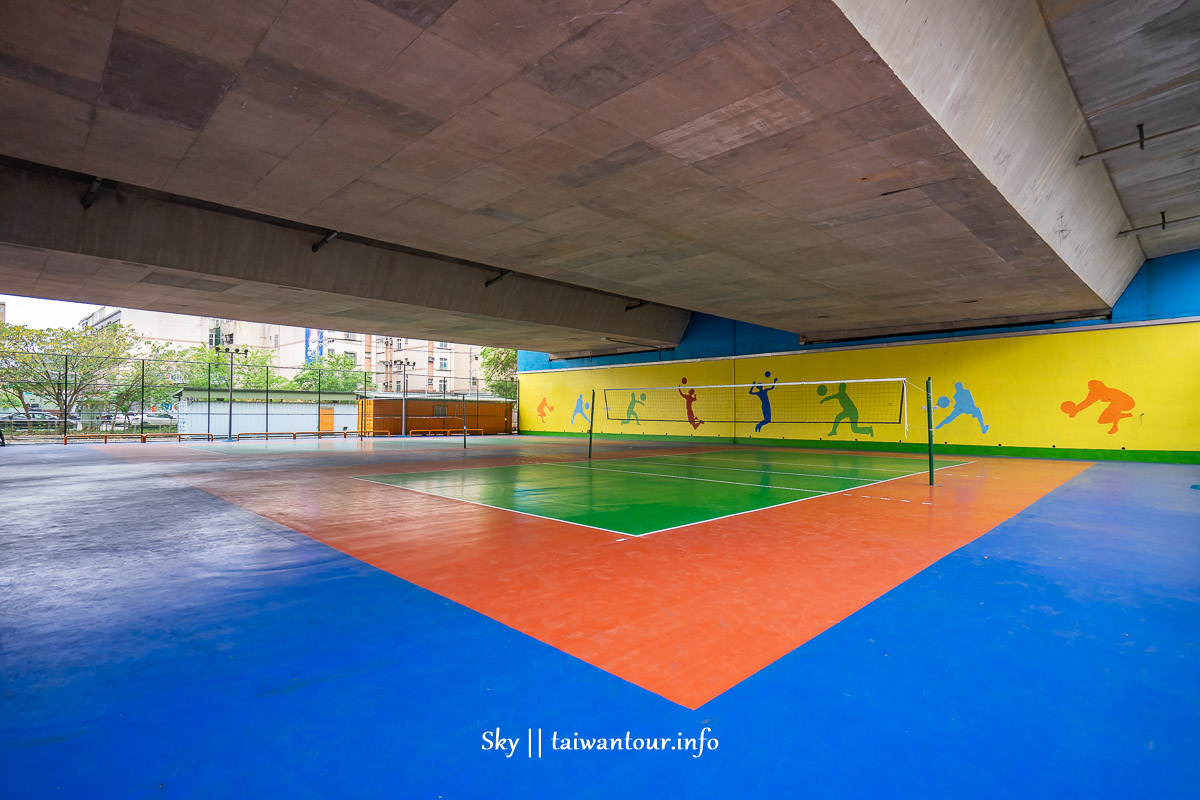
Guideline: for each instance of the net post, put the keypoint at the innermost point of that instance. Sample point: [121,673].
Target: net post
[591,423]
[929,422]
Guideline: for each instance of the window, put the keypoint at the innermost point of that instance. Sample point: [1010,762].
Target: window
[443,363]
[443,345]
[214,337]
[442,385]
[440,411]
[353,358]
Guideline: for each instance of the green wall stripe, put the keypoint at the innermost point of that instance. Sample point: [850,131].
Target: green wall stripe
[1157,456]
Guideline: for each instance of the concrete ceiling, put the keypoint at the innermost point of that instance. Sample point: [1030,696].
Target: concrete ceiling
[1139,63]
[755,160]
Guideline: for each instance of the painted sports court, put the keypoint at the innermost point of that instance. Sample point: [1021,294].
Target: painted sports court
[855,447]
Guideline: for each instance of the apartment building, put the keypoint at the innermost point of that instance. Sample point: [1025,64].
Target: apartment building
[397,363]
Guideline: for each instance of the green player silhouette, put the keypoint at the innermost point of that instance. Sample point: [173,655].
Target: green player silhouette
[849,412]
[630,413]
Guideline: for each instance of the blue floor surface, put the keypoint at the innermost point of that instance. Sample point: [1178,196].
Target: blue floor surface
[211,653]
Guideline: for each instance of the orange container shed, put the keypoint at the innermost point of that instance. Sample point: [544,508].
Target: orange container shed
[399,415]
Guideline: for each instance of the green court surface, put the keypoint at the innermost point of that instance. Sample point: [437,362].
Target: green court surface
[637,496]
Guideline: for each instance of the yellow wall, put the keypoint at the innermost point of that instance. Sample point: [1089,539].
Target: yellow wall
[1019,384]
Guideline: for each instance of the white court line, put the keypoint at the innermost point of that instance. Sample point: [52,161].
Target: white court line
[810,464]
[791,502]
[485,505]
[760,471]
[685,478]
[647,533]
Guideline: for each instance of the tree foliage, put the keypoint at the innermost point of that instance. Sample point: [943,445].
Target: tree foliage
[499,366]
[207,366]
[64,366]
[337,373]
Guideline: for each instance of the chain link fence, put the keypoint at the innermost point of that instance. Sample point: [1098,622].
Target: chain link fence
[48,396]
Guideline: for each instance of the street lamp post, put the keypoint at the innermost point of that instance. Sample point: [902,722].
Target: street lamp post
[232,351]
[404,365]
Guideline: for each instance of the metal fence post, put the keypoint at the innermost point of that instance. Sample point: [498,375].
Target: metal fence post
[66,387]
[142,402]
[267,404]
[230,394]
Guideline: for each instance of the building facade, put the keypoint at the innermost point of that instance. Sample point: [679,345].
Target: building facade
[397,363]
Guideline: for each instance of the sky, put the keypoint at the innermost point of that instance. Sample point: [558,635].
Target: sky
[34,313]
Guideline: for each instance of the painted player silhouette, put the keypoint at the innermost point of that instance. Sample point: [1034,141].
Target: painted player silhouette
[631,413]
[542,408]
[580,410]
[849,412]
[963,404]
[690,398]
[761,391]
[1118,408]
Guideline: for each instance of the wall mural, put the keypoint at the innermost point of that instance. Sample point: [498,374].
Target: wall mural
[964,403]
[761,391]
[689,397]
[631,412]
[849,412]
[581,409]
[1004,392]
[1119,404]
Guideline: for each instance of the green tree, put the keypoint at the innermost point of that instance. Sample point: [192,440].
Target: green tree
[253,370]
[499,366]
[148,380]
[333,372]
[63,366]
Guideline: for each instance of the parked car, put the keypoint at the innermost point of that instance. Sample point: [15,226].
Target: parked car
[152,419]
[41,421]
[114,422]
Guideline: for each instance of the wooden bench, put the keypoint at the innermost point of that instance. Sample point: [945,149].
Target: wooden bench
[266,434]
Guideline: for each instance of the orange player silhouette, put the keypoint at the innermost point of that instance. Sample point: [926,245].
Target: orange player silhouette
[689,397]
[1119,404]
[542,408]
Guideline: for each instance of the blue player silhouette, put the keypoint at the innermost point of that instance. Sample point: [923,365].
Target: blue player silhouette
[963,404]
[761,391]
[580,410]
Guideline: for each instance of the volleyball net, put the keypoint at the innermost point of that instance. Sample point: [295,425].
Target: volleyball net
[860,402]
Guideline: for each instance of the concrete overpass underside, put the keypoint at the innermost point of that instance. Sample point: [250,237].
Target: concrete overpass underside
[828,168]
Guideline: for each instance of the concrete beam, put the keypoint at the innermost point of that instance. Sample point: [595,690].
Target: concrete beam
[990,76]
[139,250]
